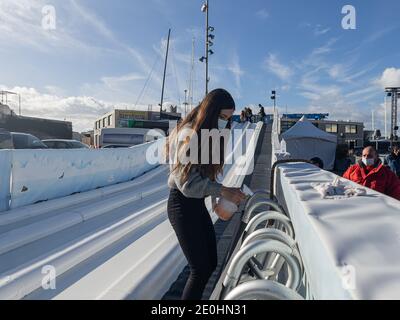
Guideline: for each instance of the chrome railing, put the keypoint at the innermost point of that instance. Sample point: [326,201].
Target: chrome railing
[268,264]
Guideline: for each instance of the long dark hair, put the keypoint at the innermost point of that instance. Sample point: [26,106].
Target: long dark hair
[204,116]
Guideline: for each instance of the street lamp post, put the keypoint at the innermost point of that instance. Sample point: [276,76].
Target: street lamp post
[207,47]
[6,93]
[273,97]
[208,43]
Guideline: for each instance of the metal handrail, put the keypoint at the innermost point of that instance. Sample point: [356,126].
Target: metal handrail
[270,234]
[254,248]
[269,215]
[278,235]
[257,194]
[277,163]
[270,203]
[262,290]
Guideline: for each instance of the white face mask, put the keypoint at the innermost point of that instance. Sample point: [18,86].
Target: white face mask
[222,124]
[368,162]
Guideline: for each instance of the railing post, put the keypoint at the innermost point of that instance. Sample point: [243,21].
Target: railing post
[5,176]
[262,290]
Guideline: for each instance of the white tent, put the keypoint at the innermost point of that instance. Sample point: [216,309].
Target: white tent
[306,141]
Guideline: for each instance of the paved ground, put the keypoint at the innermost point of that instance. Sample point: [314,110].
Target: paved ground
[227,233]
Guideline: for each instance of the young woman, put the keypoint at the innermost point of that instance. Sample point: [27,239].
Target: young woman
[191,183]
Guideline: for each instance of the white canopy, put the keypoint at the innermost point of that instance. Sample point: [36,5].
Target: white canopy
[306,141]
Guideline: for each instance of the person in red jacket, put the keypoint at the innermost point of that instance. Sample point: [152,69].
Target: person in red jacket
[370,172]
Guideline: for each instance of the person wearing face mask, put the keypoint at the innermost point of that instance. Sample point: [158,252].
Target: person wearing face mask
[393,160]
[371,173]
[192,180]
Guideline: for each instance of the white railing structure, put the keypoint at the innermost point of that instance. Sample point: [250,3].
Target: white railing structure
[349,246]
[240,163]
[277,152]
[113,242]
[342,247]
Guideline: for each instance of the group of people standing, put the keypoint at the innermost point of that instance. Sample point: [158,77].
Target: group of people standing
[247,115]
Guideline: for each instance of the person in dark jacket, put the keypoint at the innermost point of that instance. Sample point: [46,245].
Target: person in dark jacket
[249,114]
[393,160]
[261,113]
[243,116]
[342,159]
[371,173]
[317,162]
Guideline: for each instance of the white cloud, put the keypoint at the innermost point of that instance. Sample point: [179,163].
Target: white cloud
[319,30]
[100,26]
[354,106]
[93,20]
[262,13]
[363,91]
[349,77]
[114,82]
[81,110]
[344,72]
[337,107]
[326,48]
[21,26]
[273,65]
[54,90]
[390,78]
[336,71]
[312,84]
[237,72]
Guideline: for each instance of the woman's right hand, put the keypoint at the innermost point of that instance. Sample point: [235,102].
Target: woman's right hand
[234,195]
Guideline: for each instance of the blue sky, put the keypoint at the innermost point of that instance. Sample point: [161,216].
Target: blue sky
[102,52]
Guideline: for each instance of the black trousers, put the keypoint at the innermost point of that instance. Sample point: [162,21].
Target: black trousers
[196,235]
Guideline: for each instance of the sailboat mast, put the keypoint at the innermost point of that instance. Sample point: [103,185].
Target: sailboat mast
[165,71]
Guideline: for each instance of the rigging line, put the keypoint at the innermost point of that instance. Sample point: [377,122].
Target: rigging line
[148,79]
[190,70]
[192,74]
[176,74]
[194,83]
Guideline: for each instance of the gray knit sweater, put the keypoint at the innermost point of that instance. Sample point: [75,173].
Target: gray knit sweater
[196,186]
